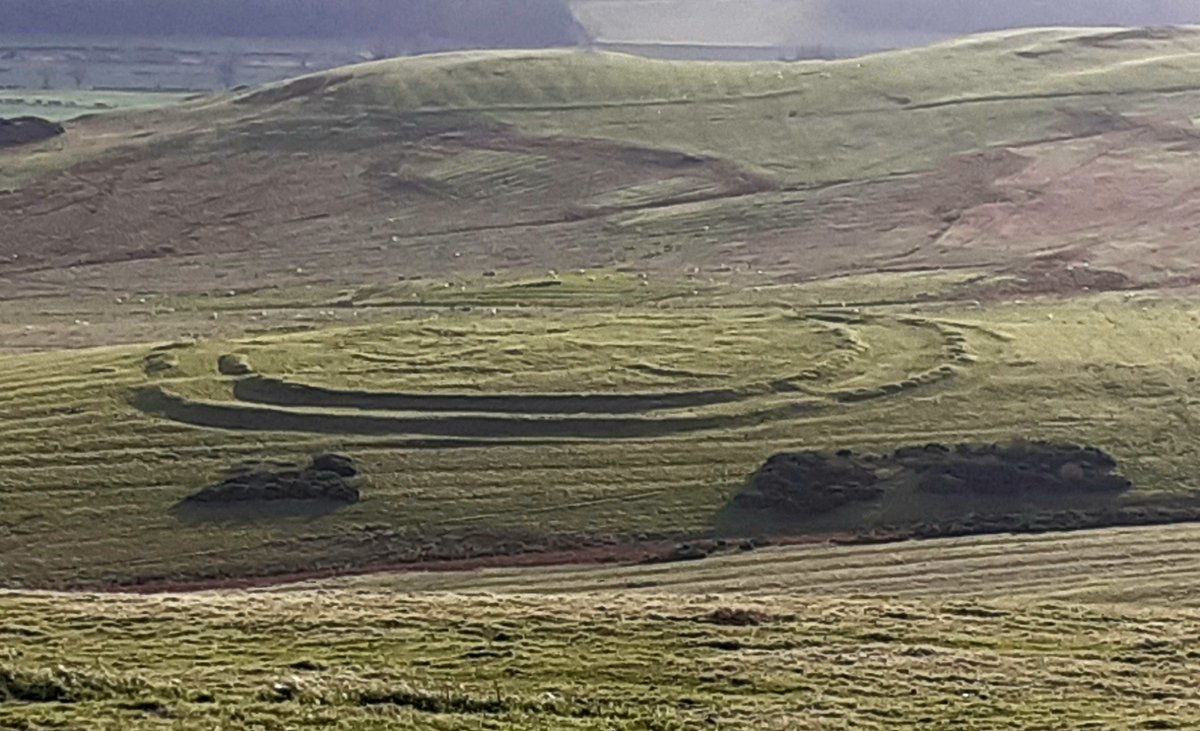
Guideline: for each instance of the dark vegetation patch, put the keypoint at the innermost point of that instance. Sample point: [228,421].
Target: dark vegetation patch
[1018,470]
[25,130]
[151,708]
[699,550]
[1042,521]
[938,491]
[234,364]
[819,482]
[426,702]
[65,685]
[813,482]
[25,687]
[737,617]
[308,666]
[159,363]
[328,478]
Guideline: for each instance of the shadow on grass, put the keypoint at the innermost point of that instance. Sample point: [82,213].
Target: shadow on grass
[253,511]
[937,491]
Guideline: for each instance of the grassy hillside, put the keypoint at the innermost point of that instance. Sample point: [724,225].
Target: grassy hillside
[566,304]
[519,163]
[359,660]
[1149,567]
[460,419]
[465,323]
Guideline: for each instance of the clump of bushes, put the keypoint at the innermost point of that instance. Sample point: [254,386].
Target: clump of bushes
[1013,469]
[329,477]
[234,364]
[65,685]
[814,483]
[23,130]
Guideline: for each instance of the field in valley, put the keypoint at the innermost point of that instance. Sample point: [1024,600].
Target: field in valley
[59,106]
[557,310]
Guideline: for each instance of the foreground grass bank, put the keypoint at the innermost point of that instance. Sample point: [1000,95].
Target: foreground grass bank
[359,660]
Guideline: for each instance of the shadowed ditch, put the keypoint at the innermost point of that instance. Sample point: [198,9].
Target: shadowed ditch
[157,402]
[276,392]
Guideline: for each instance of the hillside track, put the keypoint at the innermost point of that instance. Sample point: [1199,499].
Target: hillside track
[1148,566]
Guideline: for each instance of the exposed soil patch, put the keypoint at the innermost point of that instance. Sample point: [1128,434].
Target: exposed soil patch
[24,130]
[477,197]
[254,201]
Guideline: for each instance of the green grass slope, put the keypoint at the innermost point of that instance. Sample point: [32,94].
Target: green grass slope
[1154,566]
[805,123]
[569,428]
[565,303]
[368,660]
[61,105]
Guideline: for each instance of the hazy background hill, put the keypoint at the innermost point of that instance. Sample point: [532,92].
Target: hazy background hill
[543,23]
[196,45]
[459,23]
[764,29]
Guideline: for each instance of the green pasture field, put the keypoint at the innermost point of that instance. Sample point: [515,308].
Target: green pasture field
[1156,566]
[60,105]
[100,445]
[366,660]
[558,308]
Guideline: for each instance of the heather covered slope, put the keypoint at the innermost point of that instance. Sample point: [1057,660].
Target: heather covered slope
[1013,162]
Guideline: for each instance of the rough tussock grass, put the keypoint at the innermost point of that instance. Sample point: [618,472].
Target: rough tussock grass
[360,659]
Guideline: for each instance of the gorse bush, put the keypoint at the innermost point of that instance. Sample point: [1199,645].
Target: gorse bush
[66,685]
